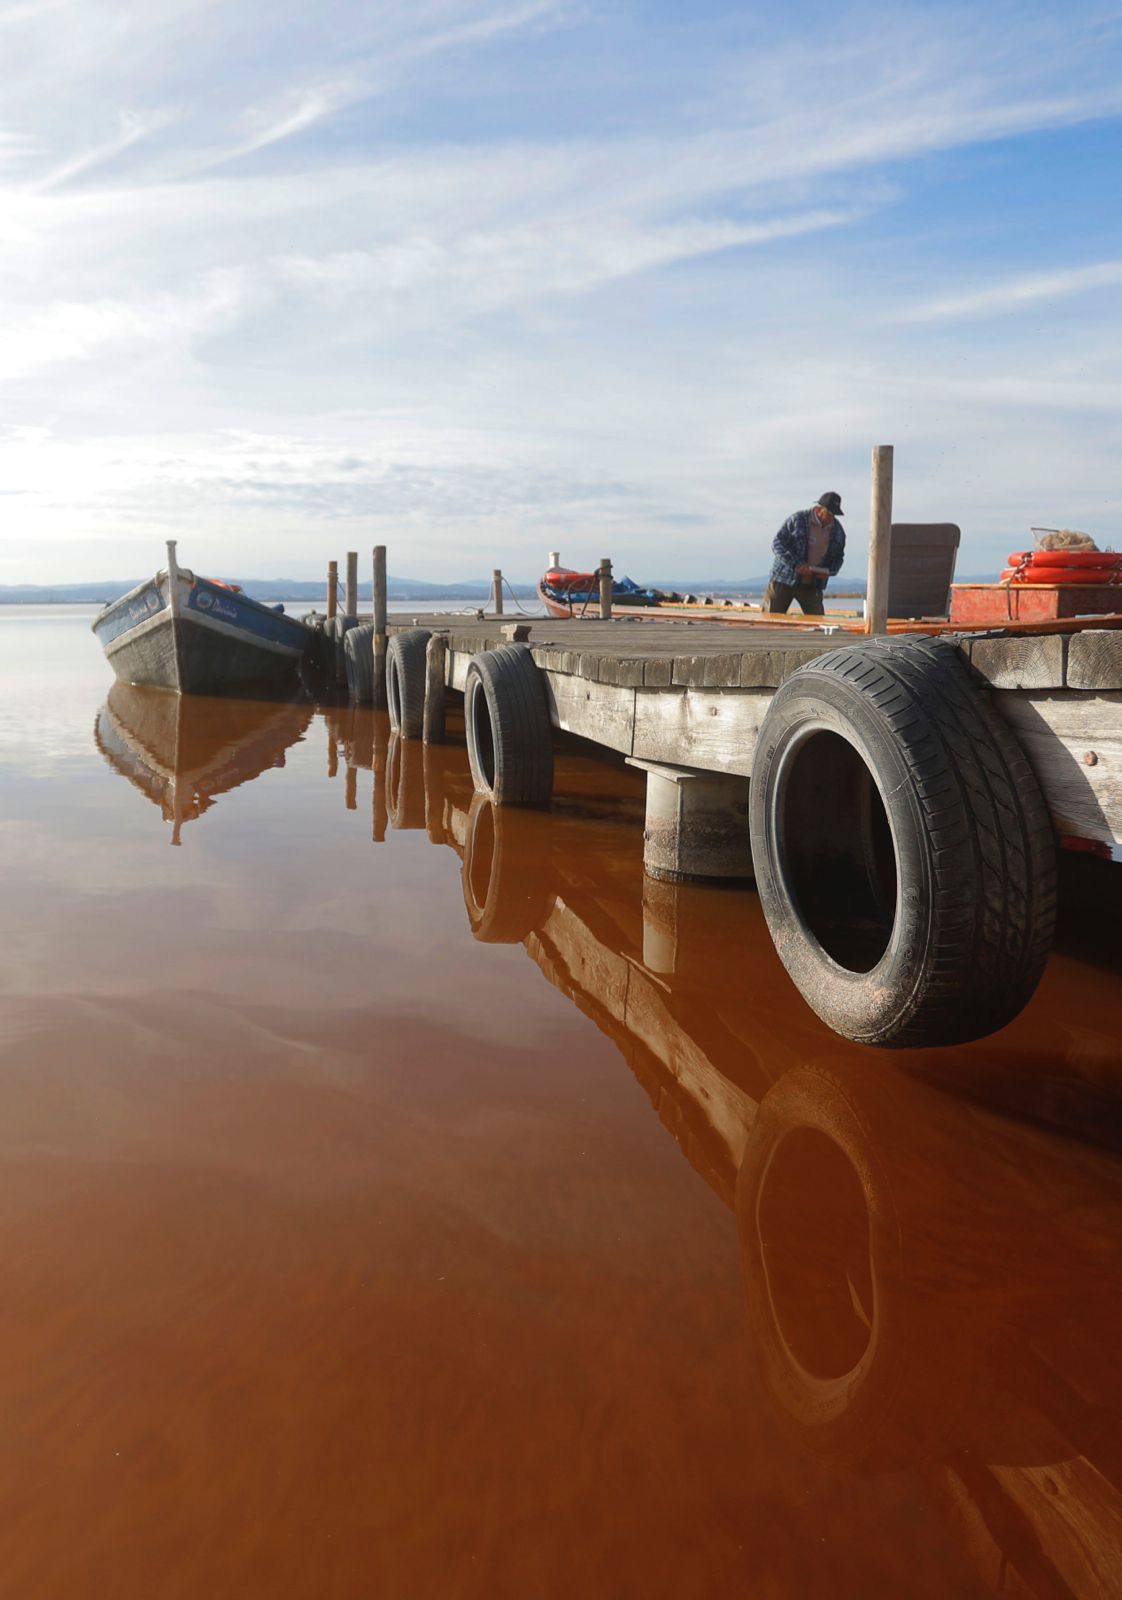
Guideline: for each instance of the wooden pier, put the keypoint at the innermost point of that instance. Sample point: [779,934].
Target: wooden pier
[898,801]
[695,694]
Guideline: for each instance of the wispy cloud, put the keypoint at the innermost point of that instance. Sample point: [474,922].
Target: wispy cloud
[132,128]
[1021,293]
[531,268]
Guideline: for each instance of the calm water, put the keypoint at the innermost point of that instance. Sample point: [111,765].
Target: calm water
[402,1200]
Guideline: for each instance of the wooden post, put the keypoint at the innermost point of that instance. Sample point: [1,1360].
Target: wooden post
[351,602]
[332,588]
[435,679]
[378,688]
[497,592]
[352,788]
[173,607]
[880,540]
[605,589]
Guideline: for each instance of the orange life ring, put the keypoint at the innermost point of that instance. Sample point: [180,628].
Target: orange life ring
[1065,558]
[1063,575]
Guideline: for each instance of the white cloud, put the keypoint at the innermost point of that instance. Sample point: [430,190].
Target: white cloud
[319,240]
[1021,293]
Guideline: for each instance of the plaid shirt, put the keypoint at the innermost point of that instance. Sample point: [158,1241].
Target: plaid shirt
[791,544]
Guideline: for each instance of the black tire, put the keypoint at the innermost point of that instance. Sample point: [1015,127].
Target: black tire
[504,876]
[903,852]
[358,653]
[509,734]
[335,630]
[405,681]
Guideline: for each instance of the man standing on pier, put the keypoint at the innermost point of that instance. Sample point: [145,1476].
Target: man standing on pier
[809,550]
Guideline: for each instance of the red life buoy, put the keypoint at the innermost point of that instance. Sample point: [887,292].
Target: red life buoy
[1062,575]
[1065,558]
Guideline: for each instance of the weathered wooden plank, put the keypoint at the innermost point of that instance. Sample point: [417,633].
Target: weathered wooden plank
[766,669]
[457,665]
[657,673]
[602,712]
[1034,663]
[709,728]
[1073,740]
[1094,660]
[631,671]
[722,672]
[688,670]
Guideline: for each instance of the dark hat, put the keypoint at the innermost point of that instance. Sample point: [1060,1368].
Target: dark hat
[831,501]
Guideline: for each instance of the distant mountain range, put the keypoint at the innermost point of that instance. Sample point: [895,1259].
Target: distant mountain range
[312,593]
[258,588]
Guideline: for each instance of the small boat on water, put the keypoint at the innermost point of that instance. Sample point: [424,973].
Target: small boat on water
[199,636]
[564,593]
[183,753]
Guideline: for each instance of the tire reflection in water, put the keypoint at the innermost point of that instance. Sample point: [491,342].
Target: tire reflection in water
[930,1285]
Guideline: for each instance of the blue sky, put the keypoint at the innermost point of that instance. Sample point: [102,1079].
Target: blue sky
[482,278]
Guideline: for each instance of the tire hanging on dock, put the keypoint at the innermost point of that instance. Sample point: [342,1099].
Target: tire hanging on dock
[405,681]
[509,733]
[903,852]
[358,654]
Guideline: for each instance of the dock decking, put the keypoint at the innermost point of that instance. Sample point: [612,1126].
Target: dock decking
[694,694]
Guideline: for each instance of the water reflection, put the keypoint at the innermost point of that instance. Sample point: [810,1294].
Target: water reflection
[931,1285]
[183,751]
[929,1246]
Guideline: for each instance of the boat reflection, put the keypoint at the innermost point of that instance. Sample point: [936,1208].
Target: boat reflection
[183,751]
[931,1281]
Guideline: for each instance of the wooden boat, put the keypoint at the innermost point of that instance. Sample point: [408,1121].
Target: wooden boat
[199,636]
[182,753]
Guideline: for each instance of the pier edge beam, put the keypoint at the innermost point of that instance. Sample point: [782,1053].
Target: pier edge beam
[696,824]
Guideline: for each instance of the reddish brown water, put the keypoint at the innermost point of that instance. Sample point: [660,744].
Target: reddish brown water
[404,1200]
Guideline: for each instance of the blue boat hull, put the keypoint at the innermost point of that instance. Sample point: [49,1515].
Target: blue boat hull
[213,641]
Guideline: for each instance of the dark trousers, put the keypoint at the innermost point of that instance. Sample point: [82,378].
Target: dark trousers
[778,597]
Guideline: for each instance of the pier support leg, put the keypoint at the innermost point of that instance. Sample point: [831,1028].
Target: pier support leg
[351,600]
[697,824]
[332,588]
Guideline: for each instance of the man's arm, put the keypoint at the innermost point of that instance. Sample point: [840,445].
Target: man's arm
[787,546]
[835,555]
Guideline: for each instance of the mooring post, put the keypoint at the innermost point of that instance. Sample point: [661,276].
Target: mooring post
[351,601]
[880,541]
[378,690]
[497,592]
[332,588]
[605,589]
[554,560]
[435,681]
